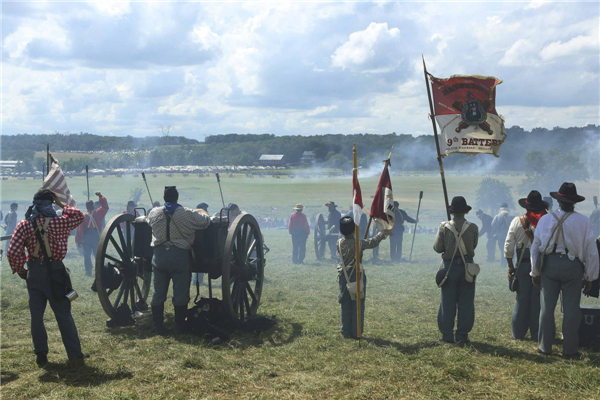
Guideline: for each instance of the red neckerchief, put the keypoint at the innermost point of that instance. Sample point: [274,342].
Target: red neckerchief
[534,216]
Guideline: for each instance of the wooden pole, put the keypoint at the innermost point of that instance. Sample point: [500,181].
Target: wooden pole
[48,158]
[437,143]
[357,254]
[415,230]
[87,178]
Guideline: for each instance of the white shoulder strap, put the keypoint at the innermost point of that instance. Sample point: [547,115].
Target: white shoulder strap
[344,264]
[559,231]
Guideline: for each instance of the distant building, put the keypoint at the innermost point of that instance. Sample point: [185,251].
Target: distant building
[276,160]
[8,165]
[308,157]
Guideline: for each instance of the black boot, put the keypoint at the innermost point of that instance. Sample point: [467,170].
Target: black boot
[158,319]
[180,316]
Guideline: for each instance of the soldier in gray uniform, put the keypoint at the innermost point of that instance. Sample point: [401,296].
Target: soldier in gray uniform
[11,222]
[398,232]
[347,253]
[486,227]
[526,314]
[564,259]
[500,225]
[456,291]
[173,233]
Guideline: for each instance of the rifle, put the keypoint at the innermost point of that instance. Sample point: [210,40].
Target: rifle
[415,230]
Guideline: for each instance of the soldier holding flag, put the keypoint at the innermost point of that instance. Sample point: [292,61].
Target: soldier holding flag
[346,247]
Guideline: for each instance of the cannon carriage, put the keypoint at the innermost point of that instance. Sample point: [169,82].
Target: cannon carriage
[232,252]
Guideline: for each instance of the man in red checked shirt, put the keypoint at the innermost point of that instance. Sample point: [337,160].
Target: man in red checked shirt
[38,283]
[88,233]
[299,230]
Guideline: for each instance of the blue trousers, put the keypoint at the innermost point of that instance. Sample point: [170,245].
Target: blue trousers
[348,309]
[298,246]
[526,314]
[396,245]
[91,238]
[171,263]
[40,294]
[457,293]
[560,274]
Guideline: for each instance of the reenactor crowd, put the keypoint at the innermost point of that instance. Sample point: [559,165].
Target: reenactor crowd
[546,252]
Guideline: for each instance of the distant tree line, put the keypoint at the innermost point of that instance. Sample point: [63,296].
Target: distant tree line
[579,146]
[85,142]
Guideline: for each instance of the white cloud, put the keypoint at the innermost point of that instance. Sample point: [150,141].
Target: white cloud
[112,8]
[205,37]
[300,68]
[48,30]
[369,49]
[535,4]
[324,125]
[321,110]
[522,53]
[573,47]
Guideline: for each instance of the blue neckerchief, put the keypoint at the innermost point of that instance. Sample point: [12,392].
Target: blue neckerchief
[43,207]
[170,207]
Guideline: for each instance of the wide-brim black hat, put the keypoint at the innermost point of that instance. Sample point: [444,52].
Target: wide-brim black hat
[459,206]
[534,202]
[331,204]
[567,194]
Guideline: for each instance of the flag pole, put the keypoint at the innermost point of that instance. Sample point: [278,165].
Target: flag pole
[437,143]
[415,230]
[387,164]
[48,158]
[87,178]
[357,255]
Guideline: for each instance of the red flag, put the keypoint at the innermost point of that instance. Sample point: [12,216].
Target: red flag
[55,181]
[465,110]
[382,209]
[357,203]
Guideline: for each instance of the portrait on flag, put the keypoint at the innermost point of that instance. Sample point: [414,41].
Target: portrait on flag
[465,111]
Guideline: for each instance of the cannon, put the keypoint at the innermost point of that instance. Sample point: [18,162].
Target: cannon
[233,252]
[322,237]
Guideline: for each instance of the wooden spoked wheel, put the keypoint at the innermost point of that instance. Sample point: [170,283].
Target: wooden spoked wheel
[115,250]
[320,237]
[243,268]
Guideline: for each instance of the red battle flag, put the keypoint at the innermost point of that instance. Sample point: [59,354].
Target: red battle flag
[465,110]
[382,209]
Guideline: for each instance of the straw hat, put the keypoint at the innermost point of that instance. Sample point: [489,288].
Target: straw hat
[299,206]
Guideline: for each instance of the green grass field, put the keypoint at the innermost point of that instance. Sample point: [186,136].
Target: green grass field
[303,356]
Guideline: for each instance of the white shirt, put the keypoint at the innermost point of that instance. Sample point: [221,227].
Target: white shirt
[515,237]
[182,230]
[578,235]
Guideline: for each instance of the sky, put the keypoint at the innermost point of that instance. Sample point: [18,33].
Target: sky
[288,68]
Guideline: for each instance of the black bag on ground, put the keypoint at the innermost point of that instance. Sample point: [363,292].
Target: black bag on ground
[207,318]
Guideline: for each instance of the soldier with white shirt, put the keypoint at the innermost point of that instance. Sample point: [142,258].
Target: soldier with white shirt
[564,258]
[526,314]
